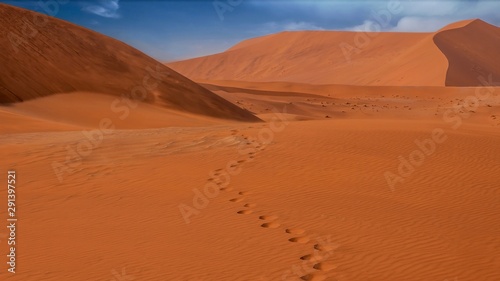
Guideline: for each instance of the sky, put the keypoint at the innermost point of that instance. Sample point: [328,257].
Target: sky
[174,30]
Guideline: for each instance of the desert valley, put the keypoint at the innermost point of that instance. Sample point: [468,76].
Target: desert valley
[300,155]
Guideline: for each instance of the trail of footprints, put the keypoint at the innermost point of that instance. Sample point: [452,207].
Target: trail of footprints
[317,267]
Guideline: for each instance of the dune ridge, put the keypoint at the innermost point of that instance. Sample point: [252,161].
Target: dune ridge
[71,110]
[379,59]
[60,57]
[472,51]
[317,57]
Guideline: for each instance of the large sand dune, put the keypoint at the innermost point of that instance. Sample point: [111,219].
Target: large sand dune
[379,59]
[472,52]
[59,57]
[317,57]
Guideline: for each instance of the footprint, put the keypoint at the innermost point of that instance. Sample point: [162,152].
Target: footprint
[271,225]
[312,258]
[325,266]
[314,277]
[245,212]
[244,192]
[326,247]
[268,218]
[296,231]
[241,161]
[250,205]
[236,200]
[226,189]
[300,240]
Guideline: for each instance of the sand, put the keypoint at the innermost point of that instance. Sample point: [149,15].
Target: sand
[318,58]
[257,181]
[362,59]
[315,200]
[469,50]
[321,181]
[57,57]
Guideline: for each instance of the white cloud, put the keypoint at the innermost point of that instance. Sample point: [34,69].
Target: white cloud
[432,15]
[291,26]
[367,26]
[415,15]
[433,8]
[105,8]
[274,27]
[421,24]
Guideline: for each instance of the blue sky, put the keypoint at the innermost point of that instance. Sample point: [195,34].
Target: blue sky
[174,30]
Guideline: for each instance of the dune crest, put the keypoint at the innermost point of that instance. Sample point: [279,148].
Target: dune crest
[348,58]
[326,57]
[471,48]
[455,25]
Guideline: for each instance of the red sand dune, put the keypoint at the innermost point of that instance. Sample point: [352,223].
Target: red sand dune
[55,56]
[317,57]
[472,51]
[71,111]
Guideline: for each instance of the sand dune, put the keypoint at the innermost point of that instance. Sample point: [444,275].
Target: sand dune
[70,111]
[318,57]
[59,57]
[472,52]
[171,191]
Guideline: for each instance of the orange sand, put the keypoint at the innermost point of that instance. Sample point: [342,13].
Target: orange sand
[180,189]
